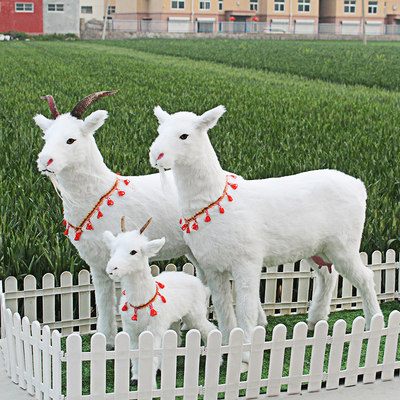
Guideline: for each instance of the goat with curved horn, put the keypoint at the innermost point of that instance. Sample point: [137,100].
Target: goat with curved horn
[86,102]
[123,227]
[52,104]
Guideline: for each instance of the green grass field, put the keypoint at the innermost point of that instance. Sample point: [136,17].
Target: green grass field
[291,107]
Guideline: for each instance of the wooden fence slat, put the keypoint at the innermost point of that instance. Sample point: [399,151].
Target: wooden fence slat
[297,358]
[122,366]
[374,341]
[212,365]
[26,334]
[318,356]
[66,301]
[377,259]
[11,357]
[46,362]
[170,267]
[37,359]
[390,277]
[84,300]
[145,366]
[19,351]
[30,307]
[392,340]
[276,360]
[48,299]
[155,270]
[304,286]
[191,372]
[188,268]
[56,364]
[74,367]
[336,354]
[347,292]
[270,288]
[98,366]
[234,362]
[354,354]
[255,363]
[11,286]
[287,287]
[168,365]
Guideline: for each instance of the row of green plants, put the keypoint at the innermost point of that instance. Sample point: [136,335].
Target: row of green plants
[377,64]
[275,125]
[17,35]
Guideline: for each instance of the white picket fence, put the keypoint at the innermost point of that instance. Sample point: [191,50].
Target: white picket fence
[35,362]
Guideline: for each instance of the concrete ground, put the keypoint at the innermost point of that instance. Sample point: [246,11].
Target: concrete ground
[379,390]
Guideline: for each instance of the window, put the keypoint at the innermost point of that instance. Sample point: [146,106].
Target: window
[253,5]
[372,7]
[55,7]
[349,6]
[111,10]
[279,5]
[220,5]
[304,5]
[87,10]
[205,5]
[178,4]
[24,7]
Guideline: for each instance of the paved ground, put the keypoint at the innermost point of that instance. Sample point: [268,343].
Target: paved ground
[376,391]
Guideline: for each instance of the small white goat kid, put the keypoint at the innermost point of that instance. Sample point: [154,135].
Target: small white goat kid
[153,304]
[237,226]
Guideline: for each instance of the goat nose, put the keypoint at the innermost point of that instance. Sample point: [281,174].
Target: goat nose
[160,156]
[50,161]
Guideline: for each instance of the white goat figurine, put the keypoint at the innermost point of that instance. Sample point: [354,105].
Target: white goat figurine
[153,304]
[236,226]
[95,198]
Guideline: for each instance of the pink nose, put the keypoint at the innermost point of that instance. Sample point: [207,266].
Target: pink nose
[160,156]
[50,161]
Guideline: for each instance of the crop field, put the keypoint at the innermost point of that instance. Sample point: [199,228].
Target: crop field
[291,107]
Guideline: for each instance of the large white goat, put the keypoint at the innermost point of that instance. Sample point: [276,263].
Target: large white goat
[153,304]
[236,226]
[71,159]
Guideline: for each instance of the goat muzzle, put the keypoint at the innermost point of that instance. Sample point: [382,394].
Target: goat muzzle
[85,103]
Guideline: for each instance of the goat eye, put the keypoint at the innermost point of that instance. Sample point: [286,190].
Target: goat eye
[133,252]
[184,136]
[70,141]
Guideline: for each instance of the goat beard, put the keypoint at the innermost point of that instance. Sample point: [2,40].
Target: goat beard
[61,193]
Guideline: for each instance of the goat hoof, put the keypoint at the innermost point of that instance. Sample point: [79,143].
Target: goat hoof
[310,325]
[134,382]
[244,367]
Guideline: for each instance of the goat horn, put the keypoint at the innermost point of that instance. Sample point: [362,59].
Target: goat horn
[145,226]
[123,227]
[85,103]
[52,105]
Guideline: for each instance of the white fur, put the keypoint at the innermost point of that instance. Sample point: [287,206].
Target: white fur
[270,222]
[81,177]
[186,297]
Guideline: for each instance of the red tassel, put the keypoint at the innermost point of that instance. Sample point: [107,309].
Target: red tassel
[121,193]
[117,173]
[125,307]
[229,197]
[78,235]
[153,312]
[160,285]
[221,210]
[127,181]
[195,226]
[188,230]
[123,292]
[208,219]
[234,186]
[89,226]
[180,221]
[234,176]
[66,231]
[183,227]
[134,318]
[110,202]
[162,298]
[99,214]
[64,222]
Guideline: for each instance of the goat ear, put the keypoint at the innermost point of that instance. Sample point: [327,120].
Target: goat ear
[94,121]
[42,122]
[210,118]
[160,114]
[151,248]
[108,238]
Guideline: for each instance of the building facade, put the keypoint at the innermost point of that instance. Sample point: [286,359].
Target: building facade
[61,16]
[22,16]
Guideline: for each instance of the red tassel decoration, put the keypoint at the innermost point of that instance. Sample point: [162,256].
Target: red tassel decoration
[208,219]
[195,226]
[180,221]
[110,202]
[221,210]
[99,214]
[66,231]
[153,312]
[187,229]
[64,222]
[234,176]
[160,285]
[127,181]
[117,173]
[229,197]
[78,235]
[134,318]
[125,307]
[89,226]
[123,292]
[183,227]
[234,186]
[121,193]
[162,298]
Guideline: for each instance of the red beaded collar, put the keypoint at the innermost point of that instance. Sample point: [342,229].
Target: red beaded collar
[86,221]
[149,304]
[193,218]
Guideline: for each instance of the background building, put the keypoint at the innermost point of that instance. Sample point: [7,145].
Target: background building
[61,16]
[22,16]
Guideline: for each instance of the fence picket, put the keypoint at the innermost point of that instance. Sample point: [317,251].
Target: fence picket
[98,366]
[48,299]
[188,268]
[354,354]
[336,354]
[145,367]
[19,351]
[56,363]
[84,300]
[390,277]
[11,357]
[170,267]
[392,340]
[122,366]
[318,356]
[377,259]
[287,287]
[212,365]
[46,362]
[168,365]
[371,358]
[303,286]
[347,293]
[256,363]
[26,335]
[276,360]
[11,286]
[191,373]
[297,358]
[234,362]
[155,270]
[74,366]
[270,288]
[66,301]
[30,299]
[37,359]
